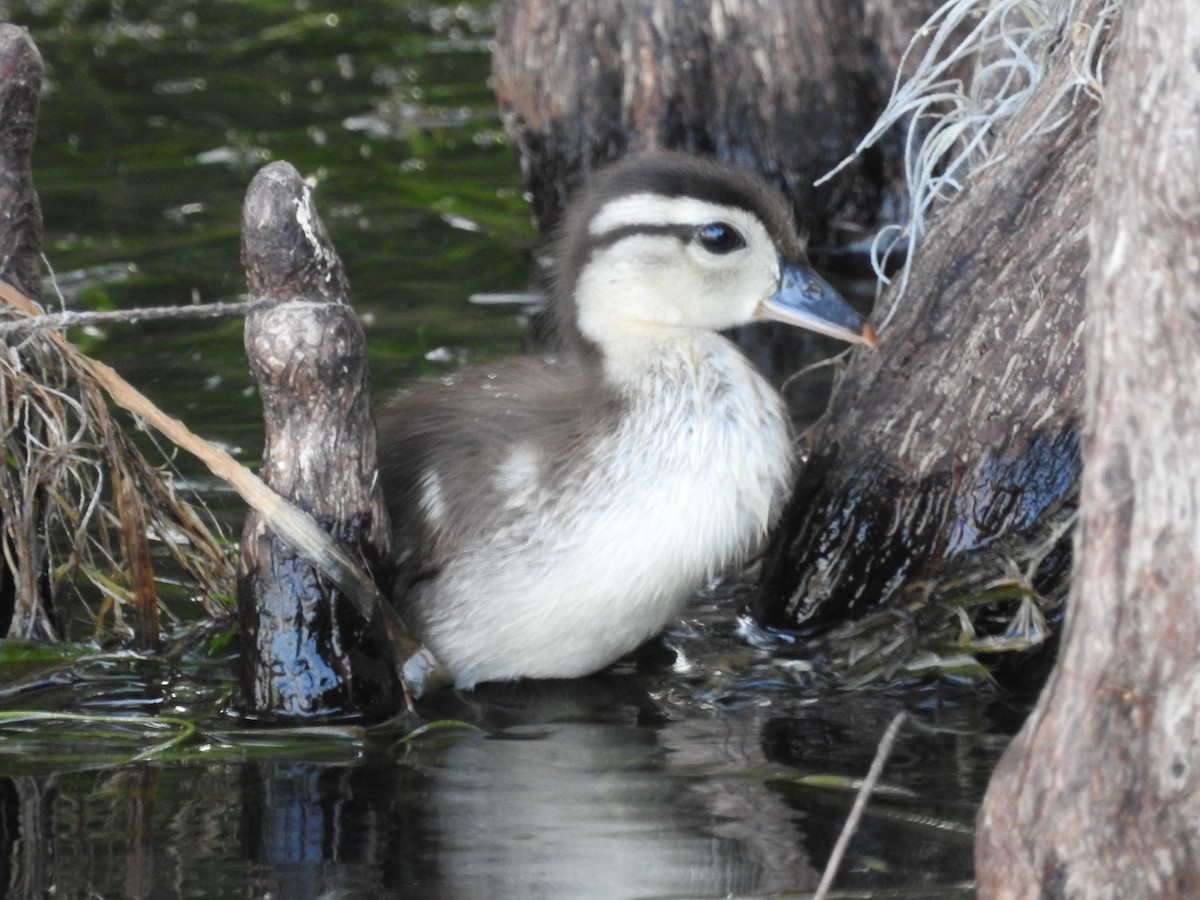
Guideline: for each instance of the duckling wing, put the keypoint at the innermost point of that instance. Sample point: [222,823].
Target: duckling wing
[459,456]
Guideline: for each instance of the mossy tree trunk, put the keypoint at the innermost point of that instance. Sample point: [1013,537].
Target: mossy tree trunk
[1099,796]
[956,440]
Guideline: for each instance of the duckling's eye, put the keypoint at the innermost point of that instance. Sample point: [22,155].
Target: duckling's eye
[719,238]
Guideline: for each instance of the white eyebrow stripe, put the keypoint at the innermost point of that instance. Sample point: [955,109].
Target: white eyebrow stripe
[656,209]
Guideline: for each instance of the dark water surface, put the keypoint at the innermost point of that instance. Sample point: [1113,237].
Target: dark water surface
[726,773]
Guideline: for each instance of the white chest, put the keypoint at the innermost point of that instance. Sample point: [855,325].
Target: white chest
[705,456]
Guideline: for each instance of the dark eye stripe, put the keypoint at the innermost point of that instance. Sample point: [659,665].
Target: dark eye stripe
[615,235]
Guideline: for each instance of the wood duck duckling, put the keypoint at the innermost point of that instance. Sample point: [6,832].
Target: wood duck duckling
[552,513]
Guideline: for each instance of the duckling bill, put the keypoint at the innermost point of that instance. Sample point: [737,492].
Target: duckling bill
[552,513]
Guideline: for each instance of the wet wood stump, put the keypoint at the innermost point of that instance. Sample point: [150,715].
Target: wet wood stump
[305,651]
[1099,795]
[20,214]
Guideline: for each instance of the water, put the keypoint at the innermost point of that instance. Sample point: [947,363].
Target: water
[726,772]
[156,117]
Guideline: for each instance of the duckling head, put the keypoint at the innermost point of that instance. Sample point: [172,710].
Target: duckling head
[667,241]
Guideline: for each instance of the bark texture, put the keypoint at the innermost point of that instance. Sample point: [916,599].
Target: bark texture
[786,89]
[20,214]
[26,607]
[961,428]
[1099,796]
[305,651]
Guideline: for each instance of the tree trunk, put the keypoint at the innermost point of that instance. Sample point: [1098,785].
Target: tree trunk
[20,214]
[305,651]
[1099,796]
[786,89]
[958,435]
[26,607]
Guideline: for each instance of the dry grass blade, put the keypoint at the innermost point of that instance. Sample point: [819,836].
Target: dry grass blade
[12,330]
[132,515]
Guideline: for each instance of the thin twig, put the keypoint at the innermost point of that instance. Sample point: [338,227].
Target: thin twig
[62,320]
[860,804]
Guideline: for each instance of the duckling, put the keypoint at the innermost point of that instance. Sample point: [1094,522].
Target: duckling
[551,513]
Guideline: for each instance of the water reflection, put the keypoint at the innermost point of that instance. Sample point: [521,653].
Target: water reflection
[591,789]
[26,859]
[582,810]
[309,830]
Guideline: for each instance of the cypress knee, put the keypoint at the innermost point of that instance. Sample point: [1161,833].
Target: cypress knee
[306,652]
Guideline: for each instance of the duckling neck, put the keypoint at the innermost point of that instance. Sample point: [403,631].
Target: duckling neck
[668,359]
[717,428]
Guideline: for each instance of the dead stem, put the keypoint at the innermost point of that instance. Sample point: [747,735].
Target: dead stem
[860,803]
[80,503]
